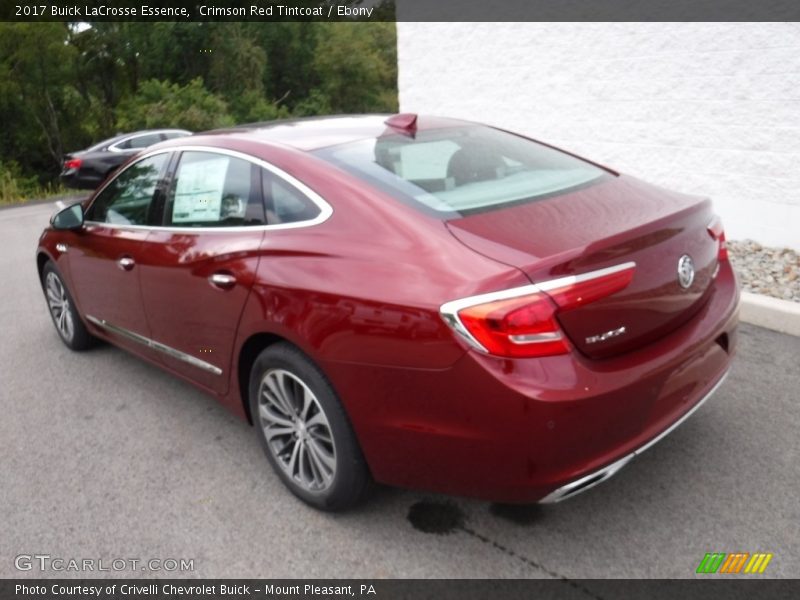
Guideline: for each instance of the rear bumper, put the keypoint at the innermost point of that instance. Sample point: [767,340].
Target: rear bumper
[526,430]
[592,479]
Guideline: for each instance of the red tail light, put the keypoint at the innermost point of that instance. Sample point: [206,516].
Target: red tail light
[716,231]
[585,290]
[521,322]
[523,326]
[72,163]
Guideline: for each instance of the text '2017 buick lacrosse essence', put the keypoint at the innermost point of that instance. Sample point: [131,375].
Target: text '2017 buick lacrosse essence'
[418,301]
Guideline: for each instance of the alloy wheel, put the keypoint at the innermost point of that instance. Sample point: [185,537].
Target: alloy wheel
[297,430]
[58,302]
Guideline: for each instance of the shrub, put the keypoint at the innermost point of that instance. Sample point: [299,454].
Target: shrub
[164,104]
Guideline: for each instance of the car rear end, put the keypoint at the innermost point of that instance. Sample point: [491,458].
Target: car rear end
[70,170]
[627,325]
[582,415]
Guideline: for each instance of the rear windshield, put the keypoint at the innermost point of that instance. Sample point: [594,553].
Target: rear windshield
[463,170]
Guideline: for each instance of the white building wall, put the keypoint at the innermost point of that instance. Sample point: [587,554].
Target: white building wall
[704,108]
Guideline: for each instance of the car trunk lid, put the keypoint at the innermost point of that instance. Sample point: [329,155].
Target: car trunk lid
[617,221]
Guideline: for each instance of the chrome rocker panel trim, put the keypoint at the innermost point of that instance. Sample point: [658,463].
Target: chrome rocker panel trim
[587,482]
[169,351]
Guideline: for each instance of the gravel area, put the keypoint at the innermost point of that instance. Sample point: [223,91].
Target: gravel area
[770,271]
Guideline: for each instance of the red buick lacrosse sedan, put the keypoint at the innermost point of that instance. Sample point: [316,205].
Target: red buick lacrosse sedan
[419,301]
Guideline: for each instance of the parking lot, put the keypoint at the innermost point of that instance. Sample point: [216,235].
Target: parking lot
[104,456]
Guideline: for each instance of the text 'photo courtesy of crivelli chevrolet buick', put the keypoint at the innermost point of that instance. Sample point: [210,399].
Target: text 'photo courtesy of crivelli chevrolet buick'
[410,300]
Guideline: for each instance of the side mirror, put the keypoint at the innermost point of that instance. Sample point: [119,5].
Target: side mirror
[68,218]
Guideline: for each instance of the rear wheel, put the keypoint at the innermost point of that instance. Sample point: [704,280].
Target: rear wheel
[304,431]
[65,316]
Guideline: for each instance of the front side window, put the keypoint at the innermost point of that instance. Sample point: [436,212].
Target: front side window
[457,171]
[128,199]
[214,190]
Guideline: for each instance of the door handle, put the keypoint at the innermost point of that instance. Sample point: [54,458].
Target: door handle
[126,263]
[224,281]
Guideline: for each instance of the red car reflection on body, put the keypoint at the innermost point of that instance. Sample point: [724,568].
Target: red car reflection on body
[423,302]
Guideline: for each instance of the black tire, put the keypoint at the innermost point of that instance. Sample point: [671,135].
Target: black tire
[70,328]
[283,365]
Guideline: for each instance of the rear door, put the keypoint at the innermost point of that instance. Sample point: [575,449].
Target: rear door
[199,266]
[104,256]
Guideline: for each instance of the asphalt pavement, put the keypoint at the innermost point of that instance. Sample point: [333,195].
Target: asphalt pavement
[105,457]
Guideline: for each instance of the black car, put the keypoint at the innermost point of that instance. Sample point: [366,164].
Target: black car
[87,169]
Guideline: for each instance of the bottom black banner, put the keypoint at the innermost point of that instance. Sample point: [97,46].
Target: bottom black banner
[382,589]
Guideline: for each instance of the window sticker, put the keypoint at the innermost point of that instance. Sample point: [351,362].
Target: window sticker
[198,193]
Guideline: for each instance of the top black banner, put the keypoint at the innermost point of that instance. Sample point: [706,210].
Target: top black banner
[400,10]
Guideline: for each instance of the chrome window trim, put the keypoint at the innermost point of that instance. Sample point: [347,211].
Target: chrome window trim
[163,348]
[326,210]
[449,310]
[113,147]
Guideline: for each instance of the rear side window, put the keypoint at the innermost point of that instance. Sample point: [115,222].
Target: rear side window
[285,203]
[171,135]
[458,171]
[142,141]
[128,199]
[214,190]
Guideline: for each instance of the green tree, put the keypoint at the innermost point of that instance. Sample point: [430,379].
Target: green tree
[63,87]
[234,47]
[165,104]
[35,70]
[290,49]
[102,65]
[351,69]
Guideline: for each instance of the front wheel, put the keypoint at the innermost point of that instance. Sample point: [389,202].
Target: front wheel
[304,431]
[65,316]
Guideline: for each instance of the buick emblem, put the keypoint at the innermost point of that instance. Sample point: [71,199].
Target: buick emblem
[685,271]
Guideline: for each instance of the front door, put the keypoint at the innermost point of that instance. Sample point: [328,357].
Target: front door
[104,257]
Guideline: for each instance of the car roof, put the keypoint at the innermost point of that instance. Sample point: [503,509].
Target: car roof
[313,133]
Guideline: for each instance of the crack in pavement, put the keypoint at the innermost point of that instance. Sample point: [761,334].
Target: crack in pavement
[530,562]
[444,518]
